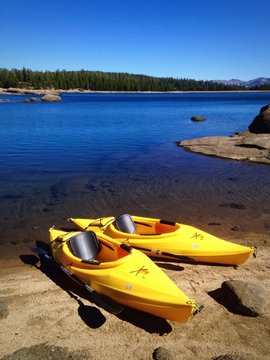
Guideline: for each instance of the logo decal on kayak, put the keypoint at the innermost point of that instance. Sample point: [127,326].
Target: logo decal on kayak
[143,271]
[197,236]
[129,287]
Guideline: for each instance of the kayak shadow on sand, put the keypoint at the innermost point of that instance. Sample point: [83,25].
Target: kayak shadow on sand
[150,323]
[167,264]
[91,315]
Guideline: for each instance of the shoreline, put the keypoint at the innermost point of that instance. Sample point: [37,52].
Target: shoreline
[10,254]
[20,238]
[24,91]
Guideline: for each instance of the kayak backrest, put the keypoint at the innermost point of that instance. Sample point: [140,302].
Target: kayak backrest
[85,245]
[125,224]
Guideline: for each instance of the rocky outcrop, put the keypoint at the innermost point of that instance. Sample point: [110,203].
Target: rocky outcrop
[48,95]
[51,98]
[33,99]
[197,118]
[14,91]
[162,353]
[34,92]
[45,351]
[261,123]
[18,91]
[246,145]
[245,298]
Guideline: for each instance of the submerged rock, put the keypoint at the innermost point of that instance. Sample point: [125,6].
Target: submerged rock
[233,206]
[71,186]
[4,100]
[244,297]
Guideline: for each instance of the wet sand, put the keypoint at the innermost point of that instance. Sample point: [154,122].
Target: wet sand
[229,208]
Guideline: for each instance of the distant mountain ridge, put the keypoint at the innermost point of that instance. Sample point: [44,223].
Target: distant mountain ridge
[248,84]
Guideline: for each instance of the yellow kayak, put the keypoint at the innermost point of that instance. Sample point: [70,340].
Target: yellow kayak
[121,273]
[166,239]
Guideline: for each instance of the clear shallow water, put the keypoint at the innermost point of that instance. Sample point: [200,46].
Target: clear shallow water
[98,133]
[98,154]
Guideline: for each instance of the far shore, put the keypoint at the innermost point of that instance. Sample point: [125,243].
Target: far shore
[24,91]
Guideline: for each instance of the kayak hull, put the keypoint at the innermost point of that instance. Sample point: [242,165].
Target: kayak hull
[127,276]
[168,240]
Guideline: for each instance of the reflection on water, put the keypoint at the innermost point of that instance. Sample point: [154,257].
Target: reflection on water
[95,155]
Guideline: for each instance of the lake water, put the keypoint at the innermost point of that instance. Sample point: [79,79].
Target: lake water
[106,154]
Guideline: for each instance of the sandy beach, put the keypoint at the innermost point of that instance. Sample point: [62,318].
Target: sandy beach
[43,309]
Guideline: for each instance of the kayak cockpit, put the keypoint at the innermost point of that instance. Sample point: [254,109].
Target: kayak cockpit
[87,248]
[129,224]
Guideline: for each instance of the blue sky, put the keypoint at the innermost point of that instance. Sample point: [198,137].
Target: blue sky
[198,39]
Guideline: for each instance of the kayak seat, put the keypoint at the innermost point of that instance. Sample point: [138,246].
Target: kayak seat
[125,224]
[85,245]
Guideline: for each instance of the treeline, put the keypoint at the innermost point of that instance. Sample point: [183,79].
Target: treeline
[102,81]
[261,87]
